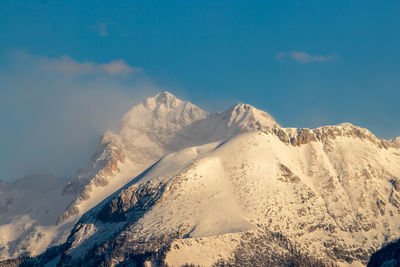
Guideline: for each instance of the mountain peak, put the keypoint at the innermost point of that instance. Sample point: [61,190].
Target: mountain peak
[244,113]
[163,107]
[165,94]
[163,99]
[242,107]
[166,97]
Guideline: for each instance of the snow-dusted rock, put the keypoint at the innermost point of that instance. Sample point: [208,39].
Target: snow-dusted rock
[396,140]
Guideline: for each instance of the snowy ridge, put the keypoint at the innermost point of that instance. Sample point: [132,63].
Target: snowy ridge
[237,119]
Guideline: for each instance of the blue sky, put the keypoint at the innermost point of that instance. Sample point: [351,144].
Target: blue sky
[70,69]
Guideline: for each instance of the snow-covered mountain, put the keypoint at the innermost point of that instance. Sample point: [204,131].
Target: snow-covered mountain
[326,196]
[160,125]
[176,185]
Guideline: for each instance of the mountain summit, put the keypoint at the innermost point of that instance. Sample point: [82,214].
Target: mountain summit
[221,125]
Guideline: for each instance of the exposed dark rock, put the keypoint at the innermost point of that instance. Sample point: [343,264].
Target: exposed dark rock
[396,183]
[287,175]
[266,248]
[135,200]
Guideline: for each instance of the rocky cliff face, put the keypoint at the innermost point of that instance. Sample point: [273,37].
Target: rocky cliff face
[273,197]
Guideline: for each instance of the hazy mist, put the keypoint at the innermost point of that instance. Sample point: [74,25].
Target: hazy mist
[53,110]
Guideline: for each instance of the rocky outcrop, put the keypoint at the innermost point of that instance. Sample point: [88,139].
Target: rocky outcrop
[326,134]
[135,200]
[103,164]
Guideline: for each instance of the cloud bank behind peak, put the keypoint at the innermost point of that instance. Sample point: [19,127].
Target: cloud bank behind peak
[55,109]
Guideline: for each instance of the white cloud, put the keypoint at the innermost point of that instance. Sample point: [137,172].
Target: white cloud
[67,65]
[118,67]
[304,57]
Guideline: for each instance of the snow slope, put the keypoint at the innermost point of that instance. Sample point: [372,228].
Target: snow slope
[322,196]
